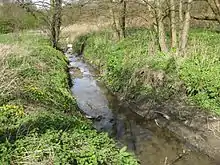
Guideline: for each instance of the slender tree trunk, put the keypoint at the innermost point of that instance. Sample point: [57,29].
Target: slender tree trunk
[186,25]
[173,24]
[180,22]
[122,18]
[114,25]
[181,11]
[58,19]
[53,23]
[153,17]
[118,12]
[162,37]
[56,10]
[160,28]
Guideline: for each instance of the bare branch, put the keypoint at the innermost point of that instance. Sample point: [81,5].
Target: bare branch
[205,18]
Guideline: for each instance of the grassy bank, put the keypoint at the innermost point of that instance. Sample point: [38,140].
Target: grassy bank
[39,122]
[136,68]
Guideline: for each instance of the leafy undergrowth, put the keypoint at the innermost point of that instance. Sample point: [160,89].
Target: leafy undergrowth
[136,68]
[39,121]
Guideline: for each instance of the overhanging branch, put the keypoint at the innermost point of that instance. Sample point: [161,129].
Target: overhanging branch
[205,18]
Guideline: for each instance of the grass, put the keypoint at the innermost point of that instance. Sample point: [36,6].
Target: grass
[39,121]
[71,32]
[136,68]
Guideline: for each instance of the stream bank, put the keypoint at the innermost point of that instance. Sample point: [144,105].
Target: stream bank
[153,145]
[39,119]
[161,86]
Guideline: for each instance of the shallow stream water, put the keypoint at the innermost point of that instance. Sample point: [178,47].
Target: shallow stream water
[151,144]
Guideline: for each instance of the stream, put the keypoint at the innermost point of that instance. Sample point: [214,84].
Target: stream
[151,144]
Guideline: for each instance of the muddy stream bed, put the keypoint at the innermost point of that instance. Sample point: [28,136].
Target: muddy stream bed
[151,144]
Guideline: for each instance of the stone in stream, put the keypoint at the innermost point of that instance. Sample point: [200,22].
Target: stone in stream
[69,49]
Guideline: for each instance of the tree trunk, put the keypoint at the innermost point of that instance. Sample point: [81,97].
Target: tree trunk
[180,26]
[58,19]
[122,18]
[53,23]
[181,11]
[118,12]
[186,25]
[56,10]
[114,25]
[173,24]
[160,28]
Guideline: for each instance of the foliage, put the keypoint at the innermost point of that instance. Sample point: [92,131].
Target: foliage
[13,17]
[35,125]
[135,67]
[128,65]
[201,70]
[6,26]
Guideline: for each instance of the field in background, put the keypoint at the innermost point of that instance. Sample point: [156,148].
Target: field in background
[71,32]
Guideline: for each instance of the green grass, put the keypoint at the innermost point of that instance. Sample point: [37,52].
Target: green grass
[201,70]
[39,120]
[19,20]
[135,67]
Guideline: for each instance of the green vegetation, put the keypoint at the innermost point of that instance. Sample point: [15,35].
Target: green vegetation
[201,70]
[135,67]
[14,18]
[39,121]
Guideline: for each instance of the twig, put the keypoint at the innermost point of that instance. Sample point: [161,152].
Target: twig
[163,114]
[179,157]
[165,161]
[156,122]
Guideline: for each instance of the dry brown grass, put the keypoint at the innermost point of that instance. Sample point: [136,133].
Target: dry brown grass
[71,32]
[9,78]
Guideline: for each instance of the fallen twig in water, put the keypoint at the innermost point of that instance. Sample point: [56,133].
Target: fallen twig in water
[163,114]
[156,122]
[165,161]
[179,157]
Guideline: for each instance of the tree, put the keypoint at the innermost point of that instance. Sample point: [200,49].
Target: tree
[118,12]
[56,20]
[50,13]
[160,10]
[173,24]
[160,26]
[186,25]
